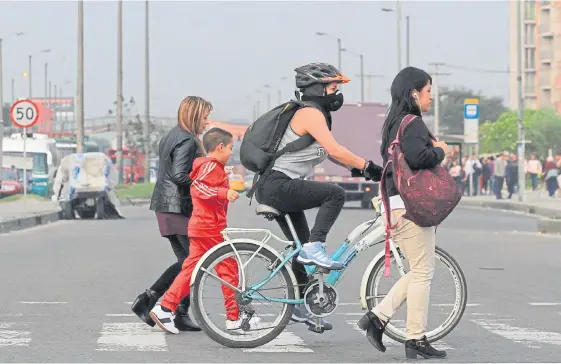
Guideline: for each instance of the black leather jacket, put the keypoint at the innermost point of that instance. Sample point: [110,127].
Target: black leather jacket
[178,149]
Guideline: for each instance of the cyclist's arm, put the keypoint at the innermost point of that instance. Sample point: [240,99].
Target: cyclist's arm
[312,121]
[333,160]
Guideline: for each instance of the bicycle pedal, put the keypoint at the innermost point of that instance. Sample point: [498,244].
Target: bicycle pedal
[316,329]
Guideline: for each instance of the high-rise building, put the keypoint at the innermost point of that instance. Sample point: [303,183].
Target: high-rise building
[541,53]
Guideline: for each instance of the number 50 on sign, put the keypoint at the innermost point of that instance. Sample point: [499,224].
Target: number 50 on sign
[24,113]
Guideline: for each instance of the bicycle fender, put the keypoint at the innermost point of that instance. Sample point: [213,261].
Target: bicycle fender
[203,258]
[246,241]
[365,277]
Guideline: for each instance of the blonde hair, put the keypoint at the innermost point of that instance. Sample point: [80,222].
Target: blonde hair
[190,113]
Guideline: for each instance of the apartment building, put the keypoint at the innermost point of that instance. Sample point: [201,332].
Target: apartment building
[541,53]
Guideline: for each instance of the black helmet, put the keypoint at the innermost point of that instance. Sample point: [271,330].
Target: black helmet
[314,73]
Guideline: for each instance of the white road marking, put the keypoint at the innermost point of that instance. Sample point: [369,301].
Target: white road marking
[120,315]
[131,337]
[545,303]
[452,304]
[42,303]
[11,337]
[286,342]
[21,314]
[530,337]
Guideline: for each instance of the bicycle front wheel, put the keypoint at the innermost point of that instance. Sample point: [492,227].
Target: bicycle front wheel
[455,300]
[272,316]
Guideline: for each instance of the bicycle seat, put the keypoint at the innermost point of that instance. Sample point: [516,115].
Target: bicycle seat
[267,211]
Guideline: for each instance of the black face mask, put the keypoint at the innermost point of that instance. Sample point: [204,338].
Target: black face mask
[332,102]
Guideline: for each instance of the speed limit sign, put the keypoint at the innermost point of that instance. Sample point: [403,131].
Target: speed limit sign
[24,113]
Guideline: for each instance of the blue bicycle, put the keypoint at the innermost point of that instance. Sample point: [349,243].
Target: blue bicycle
[264,316]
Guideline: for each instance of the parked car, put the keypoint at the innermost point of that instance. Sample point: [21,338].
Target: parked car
[12,182]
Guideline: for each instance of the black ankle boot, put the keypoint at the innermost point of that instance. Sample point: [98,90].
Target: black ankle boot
[182,320]
[423,348]
[374,329]
[143,304]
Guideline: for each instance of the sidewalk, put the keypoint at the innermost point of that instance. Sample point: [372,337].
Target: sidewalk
[547,209]
[26,213]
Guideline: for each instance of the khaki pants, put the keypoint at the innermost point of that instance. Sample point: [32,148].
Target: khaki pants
[417,244]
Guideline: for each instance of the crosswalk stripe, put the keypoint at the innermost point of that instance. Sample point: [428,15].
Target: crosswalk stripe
[131,337]
[286,342]
[11,337]
[529,337]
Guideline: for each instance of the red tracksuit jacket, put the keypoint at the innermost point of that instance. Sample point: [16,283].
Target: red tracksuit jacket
[208,192]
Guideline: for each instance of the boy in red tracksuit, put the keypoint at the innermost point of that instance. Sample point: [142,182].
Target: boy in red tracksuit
[210,194]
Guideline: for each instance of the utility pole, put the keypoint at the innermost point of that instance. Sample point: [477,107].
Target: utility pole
[436,74]
[408,41]
[46,81]
[521,139]
[398,13]
[369,77]
[339,50]
[29,77]
[119,111]
[147,99]
[80,82]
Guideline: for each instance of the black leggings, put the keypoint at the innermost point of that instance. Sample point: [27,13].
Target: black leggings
[294,196]
[180,246]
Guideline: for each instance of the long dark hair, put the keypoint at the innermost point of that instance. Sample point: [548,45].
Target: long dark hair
[407,80]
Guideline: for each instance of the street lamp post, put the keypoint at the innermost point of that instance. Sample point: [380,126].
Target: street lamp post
[29,70]
[361,72]
[147,97]
[2,97]
[277,89]
[339,48]
[408,34]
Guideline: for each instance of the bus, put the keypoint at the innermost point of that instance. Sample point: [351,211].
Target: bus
[40,163]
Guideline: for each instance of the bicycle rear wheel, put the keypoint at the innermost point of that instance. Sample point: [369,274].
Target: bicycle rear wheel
[264,332]
[374,294]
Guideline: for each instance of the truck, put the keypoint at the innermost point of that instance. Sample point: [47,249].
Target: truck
[358,127]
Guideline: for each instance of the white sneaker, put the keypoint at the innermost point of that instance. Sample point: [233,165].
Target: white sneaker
[164,319]
[236,325]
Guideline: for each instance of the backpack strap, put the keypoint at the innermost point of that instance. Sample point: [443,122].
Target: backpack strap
[298,144]
[384,192]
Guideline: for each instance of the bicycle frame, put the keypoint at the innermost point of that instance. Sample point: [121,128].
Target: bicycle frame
[362,237]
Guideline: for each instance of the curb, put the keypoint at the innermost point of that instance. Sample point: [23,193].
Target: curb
[49,217]
[29,221]
[549,220]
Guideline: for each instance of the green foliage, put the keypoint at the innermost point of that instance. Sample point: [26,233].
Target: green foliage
[542,127]
[452,108]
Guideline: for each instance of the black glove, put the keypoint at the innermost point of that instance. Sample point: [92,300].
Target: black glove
[355,172]
[373,172]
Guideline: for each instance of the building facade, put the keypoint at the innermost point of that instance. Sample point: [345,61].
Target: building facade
[541,53]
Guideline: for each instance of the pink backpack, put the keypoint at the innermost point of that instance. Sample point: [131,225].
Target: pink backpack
[429,195]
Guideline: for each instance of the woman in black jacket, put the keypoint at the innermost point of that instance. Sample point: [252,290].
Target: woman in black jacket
[411,94]
[171,200]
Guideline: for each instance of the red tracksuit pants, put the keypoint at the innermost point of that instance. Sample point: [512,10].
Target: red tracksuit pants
[226,270]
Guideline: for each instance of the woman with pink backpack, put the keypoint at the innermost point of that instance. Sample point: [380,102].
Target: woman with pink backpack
[419,193]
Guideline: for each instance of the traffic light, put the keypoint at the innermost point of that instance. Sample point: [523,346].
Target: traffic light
[6,114]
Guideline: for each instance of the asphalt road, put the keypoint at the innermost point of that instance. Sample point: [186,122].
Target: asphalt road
[66,290]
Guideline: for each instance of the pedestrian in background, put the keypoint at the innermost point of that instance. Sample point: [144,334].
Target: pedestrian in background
[172,203]
[550,174]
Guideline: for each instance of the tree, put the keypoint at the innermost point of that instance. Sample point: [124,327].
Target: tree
[542,127]
[451,109]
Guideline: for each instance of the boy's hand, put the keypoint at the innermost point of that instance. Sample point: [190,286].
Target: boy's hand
[228,169]
[232,195]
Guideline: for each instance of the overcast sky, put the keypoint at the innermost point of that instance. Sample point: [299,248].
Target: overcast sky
[225,51]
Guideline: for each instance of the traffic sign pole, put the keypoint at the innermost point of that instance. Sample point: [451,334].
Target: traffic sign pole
[24,114]
[471,131]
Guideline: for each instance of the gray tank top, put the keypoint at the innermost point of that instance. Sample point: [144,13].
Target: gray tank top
[301,163]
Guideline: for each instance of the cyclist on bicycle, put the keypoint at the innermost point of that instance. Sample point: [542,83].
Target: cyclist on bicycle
[285,188]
